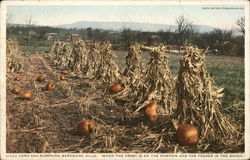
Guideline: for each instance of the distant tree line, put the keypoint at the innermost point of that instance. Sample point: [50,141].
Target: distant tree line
[184,34]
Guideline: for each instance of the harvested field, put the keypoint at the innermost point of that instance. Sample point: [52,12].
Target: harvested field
[48,122]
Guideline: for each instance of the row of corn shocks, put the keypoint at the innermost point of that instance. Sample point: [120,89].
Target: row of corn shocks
[191,99]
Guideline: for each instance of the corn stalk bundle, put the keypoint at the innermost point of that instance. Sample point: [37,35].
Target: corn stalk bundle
[132,74]
[80,56]
[55,50]
[107,71]
[199,99]
[134,67]
[159,82]
[61,54]
[14,63]
[94,59]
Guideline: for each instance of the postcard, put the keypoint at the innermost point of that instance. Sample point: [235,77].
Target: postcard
[125,80]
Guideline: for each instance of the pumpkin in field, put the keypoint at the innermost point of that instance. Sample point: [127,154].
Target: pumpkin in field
[17,78]
[187,134]
[85,127]
[62,77]
[65,71]
[16,90]
[26,95]
[151,111]
[50,86]
[41,78]
[115,88]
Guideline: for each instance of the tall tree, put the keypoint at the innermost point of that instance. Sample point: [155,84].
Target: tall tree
[9,19]
[90,33]
[8,22]
[184,28]
[29,23]
[128,37]
[241,24]
[222,36]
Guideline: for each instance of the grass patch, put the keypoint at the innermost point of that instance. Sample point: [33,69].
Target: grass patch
[228,72]
[34,48]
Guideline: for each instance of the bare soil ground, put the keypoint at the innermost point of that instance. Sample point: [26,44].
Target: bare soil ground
[48,122]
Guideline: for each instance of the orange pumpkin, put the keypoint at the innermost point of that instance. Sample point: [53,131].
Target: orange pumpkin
[187,134]
[50,86]
[26,95]
[16,90]
[115,88]
[85,127]
[17,78]
[41,78]
[151,111]
[65,71]
[62,77]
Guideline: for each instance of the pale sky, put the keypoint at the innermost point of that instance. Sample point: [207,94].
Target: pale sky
[222,17]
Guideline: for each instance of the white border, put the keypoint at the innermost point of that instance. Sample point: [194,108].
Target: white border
[129,2]
[99,156]
[3,80]
[247,79]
